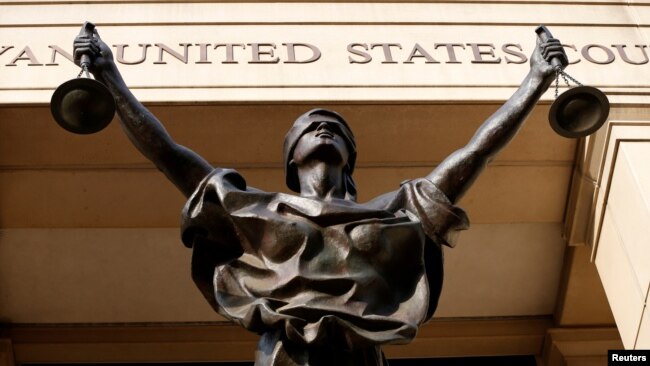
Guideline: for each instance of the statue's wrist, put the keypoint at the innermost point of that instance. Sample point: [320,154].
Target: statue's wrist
[541,76]
[539,80]
[108,70]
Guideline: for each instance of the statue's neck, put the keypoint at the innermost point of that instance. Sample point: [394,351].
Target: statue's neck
[321,180]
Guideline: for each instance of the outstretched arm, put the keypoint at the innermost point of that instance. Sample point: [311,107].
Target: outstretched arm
[458,171]
[181,165]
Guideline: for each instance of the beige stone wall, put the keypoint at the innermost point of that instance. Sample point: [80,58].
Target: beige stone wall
[489,57]
[621,246]
[73,206]
[88,227]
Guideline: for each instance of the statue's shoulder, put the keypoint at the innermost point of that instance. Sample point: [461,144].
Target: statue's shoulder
[221,176]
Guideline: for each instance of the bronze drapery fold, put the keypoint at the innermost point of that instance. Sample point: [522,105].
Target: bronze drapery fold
[320,275]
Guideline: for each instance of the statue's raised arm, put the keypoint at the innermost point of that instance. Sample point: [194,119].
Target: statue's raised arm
[458,171]
[323,279]
[181,165]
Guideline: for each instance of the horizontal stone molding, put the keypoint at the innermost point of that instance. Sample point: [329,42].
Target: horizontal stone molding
[227,52]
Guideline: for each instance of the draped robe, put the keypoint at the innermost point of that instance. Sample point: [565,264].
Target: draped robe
[332,276]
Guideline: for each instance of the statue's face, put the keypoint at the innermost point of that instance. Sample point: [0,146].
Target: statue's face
[322,141]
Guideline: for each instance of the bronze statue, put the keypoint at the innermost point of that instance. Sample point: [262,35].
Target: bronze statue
[323,279]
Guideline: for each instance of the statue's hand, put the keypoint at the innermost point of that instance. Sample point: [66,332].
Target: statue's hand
[542,60]
[93,46]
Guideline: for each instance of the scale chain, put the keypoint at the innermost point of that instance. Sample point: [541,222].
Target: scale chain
[566,77]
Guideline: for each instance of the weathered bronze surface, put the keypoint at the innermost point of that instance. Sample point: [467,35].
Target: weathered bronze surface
[579,111]
[83,106]
[323,279]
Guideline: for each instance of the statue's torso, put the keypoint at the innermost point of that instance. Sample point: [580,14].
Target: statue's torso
[317,275]
[325,271]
